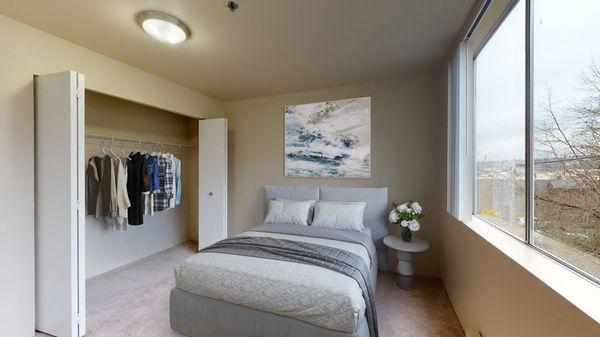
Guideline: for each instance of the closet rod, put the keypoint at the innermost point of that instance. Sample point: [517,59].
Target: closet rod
[137,141]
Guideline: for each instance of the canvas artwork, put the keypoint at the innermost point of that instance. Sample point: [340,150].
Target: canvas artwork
[329,139]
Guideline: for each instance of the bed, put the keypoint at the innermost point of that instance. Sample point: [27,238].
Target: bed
[245,295]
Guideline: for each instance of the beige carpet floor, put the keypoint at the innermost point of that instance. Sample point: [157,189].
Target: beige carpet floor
[133,301]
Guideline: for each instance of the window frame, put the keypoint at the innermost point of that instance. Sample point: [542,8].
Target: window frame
[529,237]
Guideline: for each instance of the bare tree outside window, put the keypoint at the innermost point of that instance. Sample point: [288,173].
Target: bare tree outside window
[566,131]
[567,167]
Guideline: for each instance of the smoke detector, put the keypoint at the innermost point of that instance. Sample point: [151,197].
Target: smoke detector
[232,5]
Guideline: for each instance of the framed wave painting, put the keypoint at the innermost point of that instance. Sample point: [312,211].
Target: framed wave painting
[329,139]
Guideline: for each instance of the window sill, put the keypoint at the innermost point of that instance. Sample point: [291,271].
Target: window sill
[578,290]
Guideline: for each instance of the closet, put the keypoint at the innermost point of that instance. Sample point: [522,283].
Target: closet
[73,124]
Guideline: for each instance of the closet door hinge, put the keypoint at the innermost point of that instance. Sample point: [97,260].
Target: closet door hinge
[78,93]
[78,205]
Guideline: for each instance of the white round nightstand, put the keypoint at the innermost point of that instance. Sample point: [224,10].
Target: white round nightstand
[405,251]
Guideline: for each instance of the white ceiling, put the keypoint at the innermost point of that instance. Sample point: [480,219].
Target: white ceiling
[268,46]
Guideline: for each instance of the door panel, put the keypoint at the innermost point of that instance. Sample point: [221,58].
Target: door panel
[212,180]
[212,214]
[60,286]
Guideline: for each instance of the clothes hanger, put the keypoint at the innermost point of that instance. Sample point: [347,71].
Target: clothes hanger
[141,148]
[135,149]
[102,148]
[111,151]
[97,152]
[167,153]
[124,155]
[165,150]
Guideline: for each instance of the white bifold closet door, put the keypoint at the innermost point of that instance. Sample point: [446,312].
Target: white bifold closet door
[59,204]
[212,180]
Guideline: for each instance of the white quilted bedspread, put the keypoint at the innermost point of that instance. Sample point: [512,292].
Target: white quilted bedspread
[311,294]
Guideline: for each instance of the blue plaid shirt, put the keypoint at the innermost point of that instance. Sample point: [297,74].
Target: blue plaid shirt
[165,184]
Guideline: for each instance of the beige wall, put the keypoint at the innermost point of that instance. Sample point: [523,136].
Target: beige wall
[107,249]
[494,295]
[406,118]
[25,52]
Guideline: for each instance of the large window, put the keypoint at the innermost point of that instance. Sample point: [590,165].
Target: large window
[563,138]
[500,125]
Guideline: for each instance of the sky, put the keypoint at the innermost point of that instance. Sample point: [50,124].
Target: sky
[566,40]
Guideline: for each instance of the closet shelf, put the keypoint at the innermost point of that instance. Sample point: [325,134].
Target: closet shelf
[138,141]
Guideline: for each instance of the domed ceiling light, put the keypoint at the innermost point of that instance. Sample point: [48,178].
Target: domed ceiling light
[163,27]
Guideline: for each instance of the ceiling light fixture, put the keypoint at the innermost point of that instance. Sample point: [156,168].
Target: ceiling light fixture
[163,27]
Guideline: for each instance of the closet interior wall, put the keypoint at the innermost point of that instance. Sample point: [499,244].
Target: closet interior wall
[106,248]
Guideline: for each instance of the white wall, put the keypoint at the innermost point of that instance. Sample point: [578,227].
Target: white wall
[26,52]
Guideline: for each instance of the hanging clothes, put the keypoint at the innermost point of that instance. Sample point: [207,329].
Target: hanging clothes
[149,203]
[101,191]
[171,157]
[177,180]
[151,172]
[136,171]
[152,181]
[121,190]
[92,184]
[109,186]
[165,182]
[123,202]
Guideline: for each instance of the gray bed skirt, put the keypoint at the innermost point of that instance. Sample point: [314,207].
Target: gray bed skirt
[199,316]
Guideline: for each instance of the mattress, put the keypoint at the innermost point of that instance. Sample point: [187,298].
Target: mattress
[315,295]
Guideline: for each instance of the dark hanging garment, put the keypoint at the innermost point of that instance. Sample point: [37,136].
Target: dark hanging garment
[92,185]
[101,193]
[136,170]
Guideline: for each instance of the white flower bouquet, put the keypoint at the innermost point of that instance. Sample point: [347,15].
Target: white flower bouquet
[406,215]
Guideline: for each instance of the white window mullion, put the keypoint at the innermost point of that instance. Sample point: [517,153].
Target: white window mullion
[529,125]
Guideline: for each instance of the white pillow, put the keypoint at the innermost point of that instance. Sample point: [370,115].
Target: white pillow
[340,215]
[311,210]
[289,212]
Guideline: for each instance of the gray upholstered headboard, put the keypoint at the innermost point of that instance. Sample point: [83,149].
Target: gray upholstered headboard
[375,213]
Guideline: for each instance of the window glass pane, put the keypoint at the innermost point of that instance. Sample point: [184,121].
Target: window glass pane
[567,130]
[500,125]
